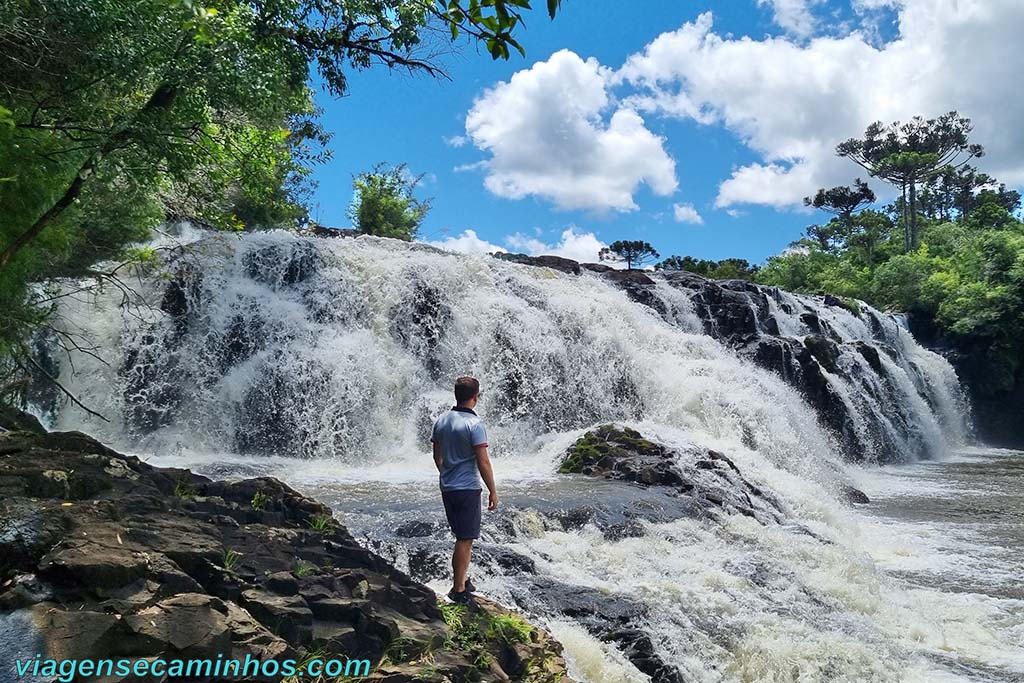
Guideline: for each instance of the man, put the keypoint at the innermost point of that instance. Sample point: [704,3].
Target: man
[460,453]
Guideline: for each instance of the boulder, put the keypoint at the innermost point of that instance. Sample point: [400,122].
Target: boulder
[706,478]
[564,265]
[15,420]
[103,556]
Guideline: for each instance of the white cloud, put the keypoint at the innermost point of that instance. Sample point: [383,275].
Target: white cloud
[466,243]
[685,213]
[793,15]
[576,245]
[792,103]
[456,140]
[549,135]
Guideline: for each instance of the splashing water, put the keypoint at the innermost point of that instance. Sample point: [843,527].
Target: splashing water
[324,362]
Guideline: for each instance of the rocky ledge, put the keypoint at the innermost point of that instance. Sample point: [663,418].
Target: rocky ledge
[709,482]
[103,556]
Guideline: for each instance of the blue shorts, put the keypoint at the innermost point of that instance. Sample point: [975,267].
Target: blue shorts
[462,508]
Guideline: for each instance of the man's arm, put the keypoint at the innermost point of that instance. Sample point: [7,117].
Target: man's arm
[438,456]
[483,461]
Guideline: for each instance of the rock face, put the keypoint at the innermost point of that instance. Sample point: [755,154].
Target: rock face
[993,380]
[708,479]
[104,556]
[844,378]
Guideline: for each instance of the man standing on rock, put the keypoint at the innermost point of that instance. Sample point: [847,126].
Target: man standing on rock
[460,453]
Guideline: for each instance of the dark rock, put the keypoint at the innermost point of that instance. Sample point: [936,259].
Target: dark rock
[419,322]
[416,529]
[317,230]
[282,265]
[164,562]
[845,304]
[596,267]
[638,286]
[15,420]
[554,262]
[705,477]
[854,495]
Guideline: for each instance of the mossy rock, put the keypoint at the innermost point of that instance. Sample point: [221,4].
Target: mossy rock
[603,447]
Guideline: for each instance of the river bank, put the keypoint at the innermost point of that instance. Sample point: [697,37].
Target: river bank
[104,556]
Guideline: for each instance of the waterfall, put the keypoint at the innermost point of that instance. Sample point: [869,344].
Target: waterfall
[325,361]
[273,343]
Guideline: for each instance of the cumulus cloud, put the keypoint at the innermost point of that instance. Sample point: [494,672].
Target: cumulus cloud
[793,15]
[466,243]
[554,131]
[685,213]
[792,103]
[573,244]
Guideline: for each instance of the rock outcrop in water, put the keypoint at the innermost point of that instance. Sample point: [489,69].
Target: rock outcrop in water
[104,556]
[707,480]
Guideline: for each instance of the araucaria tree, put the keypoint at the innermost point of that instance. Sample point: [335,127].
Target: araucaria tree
[383,203]
[907,154]
[634,252]
[842,202]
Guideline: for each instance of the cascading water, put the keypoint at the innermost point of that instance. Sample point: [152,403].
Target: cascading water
[325,361]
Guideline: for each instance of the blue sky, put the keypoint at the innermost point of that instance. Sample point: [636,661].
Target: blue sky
[713,119]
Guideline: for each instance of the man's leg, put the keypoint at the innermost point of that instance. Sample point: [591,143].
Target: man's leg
[460,563]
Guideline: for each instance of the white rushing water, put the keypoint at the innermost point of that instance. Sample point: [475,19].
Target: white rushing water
[324,362]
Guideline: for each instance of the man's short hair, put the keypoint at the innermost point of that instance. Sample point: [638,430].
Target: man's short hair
[466,388]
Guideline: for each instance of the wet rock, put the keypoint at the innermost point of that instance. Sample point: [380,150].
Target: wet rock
[638,286]
[705,478]
[854,495]
[419,321]
[15,420]
[554,262]
[164,562]
[282,265]
[416,529]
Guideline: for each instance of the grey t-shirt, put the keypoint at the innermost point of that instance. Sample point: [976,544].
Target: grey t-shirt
[457,432]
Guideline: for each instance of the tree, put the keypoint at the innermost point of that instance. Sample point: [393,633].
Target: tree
[178,92]
[119,114]
[383,203]
[726,269]
[633,252]
[906,154]
[842,202]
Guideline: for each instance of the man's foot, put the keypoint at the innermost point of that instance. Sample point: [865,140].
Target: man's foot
[470,588]
[463,598]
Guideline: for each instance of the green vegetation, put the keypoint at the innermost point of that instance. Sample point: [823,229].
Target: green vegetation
[477,631]
[949,250]
[726,269]
[383,203]
[231,559]
[259,501]
[303,568]
[606,441]
[116,115]
[185,490]
[320,522]
[634,252]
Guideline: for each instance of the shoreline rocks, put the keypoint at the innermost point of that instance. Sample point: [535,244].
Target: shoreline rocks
[103,555]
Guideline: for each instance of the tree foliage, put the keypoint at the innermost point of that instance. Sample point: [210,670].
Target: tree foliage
[726,269]
[907,154]
[117,114]
[383,203]
[634,253]
[964,271]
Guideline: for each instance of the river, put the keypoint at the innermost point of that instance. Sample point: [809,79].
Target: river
[323,362]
